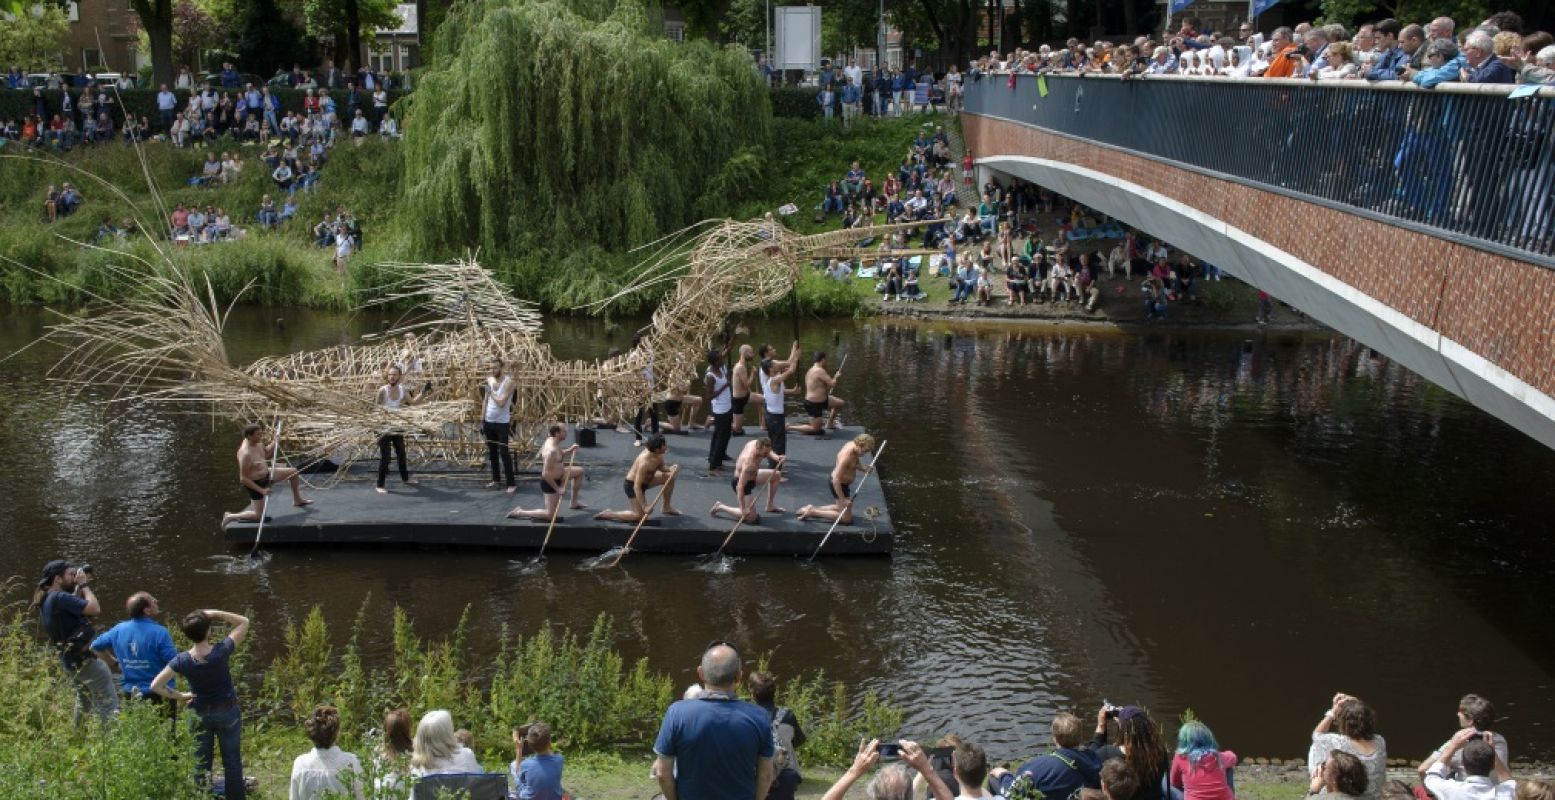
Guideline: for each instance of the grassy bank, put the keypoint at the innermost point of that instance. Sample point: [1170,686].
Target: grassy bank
[47,263]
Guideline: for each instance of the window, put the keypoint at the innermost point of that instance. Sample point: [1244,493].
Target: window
[91,60]
[73,12]
[675,31]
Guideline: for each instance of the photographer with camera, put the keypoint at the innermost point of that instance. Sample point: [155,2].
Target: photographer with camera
[64,601]
[1139,745]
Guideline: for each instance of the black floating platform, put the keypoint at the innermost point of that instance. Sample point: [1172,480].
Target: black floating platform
[454,509]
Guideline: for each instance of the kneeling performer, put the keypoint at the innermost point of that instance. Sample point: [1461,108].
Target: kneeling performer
[848,465]
[748,474]
[648,469]
[554,477]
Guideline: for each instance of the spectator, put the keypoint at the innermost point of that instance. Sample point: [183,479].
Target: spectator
[389,129]
[1063,772]
[1341,775]
[1542,70]
[197,222]
[1118,781]
[969,764]
[70,199]
[1480,62]
[268,218]
[1284,61]
[1391,58]
[826,100]
[138,646]
[180,221]
[229,76]
[435,751]
[1162,62]
[1443,64]
[63,601]
[283,175]
[1485,774]
[167,103]
[211,695]
[894,782]
[316,773]
[715,746]
[785,724]
[1139,746]
[51,204]
[1200,769]
[1411,39]
[536,771]
[1356,736]
[1477,714]
[359,126]
[345,245]
[1339,64]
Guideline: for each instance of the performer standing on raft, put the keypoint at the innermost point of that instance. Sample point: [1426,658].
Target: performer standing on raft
[721,400]
[554,477]
[255,475]
[848,466]
[648,469]
[392,397]
[496,418]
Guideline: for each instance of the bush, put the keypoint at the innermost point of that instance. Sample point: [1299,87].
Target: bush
[16,105]
[795,102]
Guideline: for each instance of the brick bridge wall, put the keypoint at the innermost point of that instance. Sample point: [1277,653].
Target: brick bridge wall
[1498,307]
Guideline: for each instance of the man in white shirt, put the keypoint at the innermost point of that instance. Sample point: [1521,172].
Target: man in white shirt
[1486,776]
[167,102]
[970,765]
[854,73]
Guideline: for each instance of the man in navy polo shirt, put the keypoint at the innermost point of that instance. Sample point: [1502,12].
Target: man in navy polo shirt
[715,747]
[1062,773]
[64,601]
[140,646]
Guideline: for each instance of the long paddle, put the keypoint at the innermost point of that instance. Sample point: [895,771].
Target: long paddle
[264,506]
[566,476]
[647,512]
[848,505]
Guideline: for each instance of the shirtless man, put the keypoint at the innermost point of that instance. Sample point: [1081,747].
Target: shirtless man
[748,474]
[818,398]
[392,397]
[554,476]
[848,466]
[681,407]
[647,470]
[254,473]
[740,387]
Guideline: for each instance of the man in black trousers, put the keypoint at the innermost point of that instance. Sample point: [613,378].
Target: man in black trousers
[722,400]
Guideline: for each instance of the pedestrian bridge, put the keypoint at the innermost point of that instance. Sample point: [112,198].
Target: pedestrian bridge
[1420,223]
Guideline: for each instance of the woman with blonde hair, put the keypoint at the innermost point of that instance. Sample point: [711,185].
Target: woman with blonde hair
[435,751]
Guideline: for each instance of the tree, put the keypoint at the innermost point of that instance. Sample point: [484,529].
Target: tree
[156,17]
[346,22]
[267,39]
[951,23]
[197,27]
[32,38]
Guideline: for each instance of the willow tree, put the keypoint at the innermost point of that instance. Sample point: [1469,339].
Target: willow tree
[553,125]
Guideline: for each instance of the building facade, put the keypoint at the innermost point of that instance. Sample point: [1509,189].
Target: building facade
[103,37]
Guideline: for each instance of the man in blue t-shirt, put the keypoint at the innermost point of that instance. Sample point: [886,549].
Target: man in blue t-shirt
[64,601]
[139,645]
[211,695]
[716,747]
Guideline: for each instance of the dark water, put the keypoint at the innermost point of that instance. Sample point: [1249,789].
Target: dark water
[1237,526]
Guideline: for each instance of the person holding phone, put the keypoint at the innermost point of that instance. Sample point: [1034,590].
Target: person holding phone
[895,781]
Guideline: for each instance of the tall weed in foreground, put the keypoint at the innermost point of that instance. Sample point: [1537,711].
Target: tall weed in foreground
[833,725]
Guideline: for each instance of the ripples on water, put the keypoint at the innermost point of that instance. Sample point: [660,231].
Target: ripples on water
[1240,526]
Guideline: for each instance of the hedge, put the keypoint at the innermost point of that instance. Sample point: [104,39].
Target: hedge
[17,103]
[795,102]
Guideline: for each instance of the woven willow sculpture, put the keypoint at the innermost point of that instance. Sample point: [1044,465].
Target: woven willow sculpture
[165,345]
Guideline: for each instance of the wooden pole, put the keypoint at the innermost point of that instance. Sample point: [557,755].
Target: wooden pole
[849,504]
[264,506]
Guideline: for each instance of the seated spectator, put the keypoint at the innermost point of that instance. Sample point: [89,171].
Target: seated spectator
[894,781]
[1200,769]
[268,218]
[51,205]
[359,126]
[1475,713]
[1485,774]
[389,129]
[1341,775]
[180,221]
[219,226]
[1061,773]
[231,167]
[316,773]
[1355,734]
[283,175]
[197,224]
[288,210]
[391,760]
[107,231]
[853,181]
[210,171]
[324,232]
[435,751]
[536,771]
[70,199]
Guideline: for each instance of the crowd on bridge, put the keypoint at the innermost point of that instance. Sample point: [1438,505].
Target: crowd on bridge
[1497,50]
[729,737]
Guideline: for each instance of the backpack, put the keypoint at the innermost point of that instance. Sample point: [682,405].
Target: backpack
[783,755]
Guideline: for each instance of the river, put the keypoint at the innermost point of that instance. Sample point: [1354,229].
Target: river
[1233,523]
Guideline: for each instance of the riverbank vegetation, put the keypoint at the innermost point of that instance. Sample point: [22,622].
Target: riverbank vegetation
[605,710]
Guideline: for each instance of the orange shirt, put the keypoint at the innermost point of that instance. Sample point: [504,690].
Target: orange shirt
[1282,65]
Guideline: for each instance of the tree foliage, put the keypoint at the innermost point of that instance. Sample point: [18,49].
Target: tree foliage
[559,131]
[198,26]
[267,38]
[32,38]
[323,19]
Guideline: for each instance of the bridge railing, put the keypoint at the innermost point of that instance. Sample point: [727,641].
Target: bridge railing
[1466,162]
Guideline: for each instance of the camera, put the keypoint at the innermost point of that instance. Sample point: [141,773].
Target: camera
[1110,710]
[889,751]
[1303,51]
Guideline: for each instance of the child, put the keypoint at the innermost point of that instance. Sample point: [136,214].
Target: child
[1200,769]
[536,771]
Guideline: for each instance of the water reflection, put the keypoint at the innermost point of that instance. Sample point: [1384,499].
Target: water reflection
[1237,525]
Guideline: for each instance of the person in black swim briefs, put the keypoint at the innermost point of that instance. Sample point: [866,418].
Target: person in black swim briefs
[255,475]
[748,474]
[555,476]
[849,463]
[647,470]
[818,398]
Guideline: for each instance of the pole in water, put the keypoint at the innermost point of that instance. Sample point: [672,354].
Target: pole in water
[849,504]
[647,512]
[264,506]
